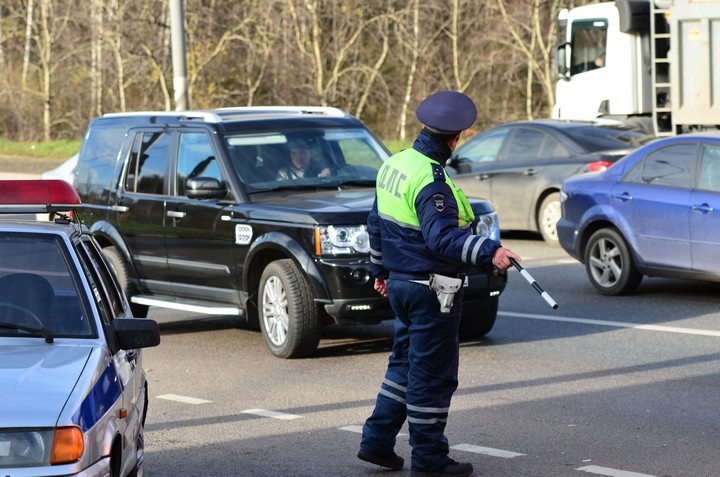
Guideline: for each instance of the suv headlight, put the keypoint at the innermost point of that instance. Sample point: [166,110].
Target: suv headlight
[487,225]
[341,239]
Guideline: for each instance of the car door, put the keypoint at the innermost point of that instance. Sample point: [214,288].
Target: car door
[475,160]
[521,175]
[705,213]
[199,235]
[653,202]
[124,365]
[140,208]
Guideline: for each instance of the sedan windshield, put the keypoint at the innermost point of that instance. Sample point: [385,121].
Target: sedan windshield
[306,158]
[38,292]
[601,138]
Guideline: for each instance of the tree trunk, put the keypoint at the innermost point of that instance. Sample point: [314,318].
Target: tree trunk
[46,40]
[413,68]
[28,38]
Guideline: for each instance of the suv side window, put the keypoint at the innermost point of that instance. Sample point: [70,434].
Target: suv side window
[195,159]
[148,163]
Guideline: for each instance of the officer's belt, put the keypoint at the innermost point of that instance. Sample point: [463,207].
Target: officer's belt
[422,278]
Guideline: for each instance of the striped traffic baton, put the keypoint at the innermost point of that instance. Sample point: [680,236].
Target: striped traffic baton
[526,275]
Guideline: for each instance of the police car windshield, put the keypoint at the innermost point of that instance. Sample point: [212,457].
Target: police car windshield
[311,158]
[38,288]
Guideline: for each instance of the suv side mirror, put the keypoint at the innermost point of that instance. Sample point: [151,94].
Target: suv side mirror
[205,188]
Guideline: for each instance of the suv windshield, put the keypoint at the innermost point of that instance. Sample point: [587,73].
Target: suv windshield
[305,158]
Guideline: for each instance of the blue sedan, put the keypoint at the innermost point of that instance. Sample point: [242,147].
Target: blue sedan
[654,213]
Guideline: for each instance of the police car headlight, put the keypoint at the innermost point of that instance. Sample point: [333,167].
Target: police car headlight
[341,240]
[25,448]
[40,447]
[487,225]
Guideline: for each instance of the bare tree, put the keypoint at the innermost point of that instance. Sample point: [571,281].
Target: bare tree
[412,67]
[28,40]
[2,41]
[533,33]
[96,49]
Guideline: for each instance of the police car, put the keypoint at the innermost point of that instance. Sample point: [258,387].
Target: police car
[73,394]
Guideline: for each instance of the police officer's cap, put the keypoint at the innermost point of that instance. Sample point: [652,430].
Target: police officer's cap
[447,112]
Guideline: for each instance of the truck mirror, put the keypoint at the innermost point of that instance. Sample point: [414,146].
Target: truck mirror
[561,58]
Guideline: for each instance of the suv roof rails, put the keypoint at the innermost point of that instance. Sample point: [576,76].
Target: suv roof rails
[224,114]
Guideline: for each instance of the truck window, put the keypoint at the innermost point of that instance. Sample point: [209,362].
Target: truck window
[589,44]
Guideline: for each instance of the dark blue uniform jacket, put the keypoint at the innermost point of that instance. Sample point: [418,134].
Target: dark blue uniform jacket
[441,246]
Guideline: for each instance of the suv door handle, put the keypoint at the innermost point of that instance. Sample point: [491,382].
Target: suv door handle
[482,177]
[530,172]
[175,214]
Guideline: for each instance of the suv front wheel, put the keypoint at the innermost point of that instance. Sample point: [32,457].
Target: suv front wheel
[122,271]
[289,317]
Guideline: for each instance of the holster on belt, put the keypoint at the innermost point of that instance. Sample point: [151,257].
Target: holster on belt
[445,288]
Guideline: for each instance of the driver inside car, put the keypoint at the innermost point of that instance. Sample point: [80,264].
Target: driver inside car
[301,162]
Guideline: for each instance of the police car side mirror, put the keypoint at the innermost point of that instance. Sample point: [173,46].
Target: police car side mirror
[133,333]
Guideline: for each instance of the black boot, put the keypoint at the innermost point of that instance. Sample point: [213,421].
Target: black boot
[391,461]
[452,469]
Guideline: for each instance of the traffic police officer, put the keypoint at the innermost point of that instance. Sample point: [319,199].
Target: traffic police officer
[420,235]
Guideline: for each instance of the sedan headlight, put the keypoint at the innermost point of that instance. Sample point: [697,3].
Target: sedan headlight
[341,240]
[40,447]
[487,225]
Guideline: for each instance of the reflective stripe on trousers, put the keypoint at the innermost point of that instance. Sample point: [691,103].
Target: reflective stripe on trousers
[421,376]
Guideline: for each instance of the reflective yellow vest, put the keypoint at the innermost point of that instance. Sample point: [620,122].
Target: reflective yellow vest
[401,179]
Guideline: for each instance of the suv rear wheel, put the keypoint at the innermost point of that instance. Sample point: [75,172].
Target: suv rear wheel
[289,318]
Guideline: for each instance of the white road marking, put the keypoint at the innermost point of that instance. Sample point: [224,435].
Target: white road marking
[487,451]
[274,414]
[614,324]
[358,430]
[594,469]
[183,399]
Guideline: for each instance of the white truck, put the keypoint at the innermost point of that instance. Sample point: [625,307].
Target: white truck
[650,63]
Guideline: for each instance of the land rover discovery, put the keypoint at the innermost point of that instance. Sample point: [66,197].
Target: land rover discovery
[197,211]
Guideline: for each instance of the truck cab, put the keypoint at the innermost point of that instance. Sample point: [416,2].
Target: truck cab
[648,63]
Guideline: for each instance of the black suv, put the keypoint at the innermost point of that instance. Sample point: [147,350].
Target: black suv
[196,211]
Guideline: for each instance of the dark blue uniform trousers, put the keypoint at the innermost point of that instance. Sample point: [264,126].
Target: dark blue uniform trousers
[421,376]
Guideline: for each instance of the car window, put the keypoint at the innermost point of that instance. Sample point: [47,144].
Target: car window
[594,138]
[526,143]
[670,166]
[196,158]
[38,285]
[710,168]
[553,148]
[483,149]
[148,163]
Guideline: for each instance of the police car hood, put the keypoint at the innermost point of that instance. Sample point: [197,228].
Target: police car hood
[313,206]
[36,380]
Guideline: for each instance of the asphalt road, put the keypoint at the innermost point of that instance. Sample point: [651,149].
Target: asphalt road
[616,386]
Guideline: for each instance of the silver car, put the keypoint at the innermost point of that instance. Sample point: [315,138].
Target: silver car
[73,394]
